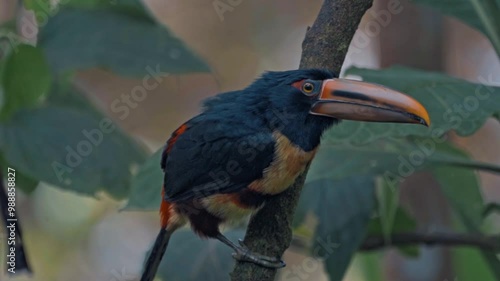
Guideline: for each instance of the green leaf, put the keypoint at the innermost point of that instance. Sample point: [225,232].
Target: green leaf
[130,7]
[491,208]
[483,15]
[2,92]
[146,185]
[25,79]
[371,266]
[343,209]
[9,39]
[402,222]
[497,116]
[81,39]
[387,193]
[468,264]
[65,94]
[453,104]
[462,189]
[395,159]
[307,203]
[190,258]
[41,8]
[70,149]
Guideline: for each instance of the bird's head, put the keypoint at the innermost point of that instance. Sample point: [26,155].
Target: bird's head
[306,102]
[319,93]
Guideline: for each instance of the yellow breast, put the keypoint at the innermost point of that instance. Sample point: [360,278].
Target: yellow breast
[288,163]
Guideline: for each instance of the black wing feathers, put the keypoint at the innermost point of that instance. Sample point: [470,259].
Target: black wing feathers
[215,156]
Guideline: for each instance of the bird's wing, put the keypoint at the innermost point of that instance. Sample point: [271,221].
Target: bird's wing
[210,157]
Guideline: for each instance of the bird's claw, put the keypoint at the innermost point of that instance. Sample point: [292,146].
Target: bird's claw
[243,254]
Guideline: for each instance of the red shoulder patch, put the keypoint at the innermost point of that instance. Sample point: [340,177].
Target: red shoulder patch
[175,136]
[170,143]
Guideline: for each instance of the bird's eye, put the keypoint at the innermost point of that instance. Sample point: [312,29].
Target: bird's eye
[308,87]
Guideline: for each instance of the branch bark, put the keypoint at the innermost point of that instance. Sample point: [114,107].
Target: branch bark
[325,46]
[489,243]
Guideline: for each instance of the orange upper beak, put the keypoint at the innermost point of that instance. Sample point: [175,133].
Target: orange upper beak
[355,100]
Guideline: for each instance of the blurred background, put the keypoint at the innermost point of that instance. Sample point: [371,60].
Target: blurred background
[70,236]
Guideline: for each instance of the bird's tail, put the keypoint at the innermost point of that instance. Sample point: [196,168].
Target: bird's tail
[156,255]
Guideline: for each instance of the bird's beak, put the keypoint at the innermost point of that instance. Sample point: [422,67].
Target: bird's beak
[355,100]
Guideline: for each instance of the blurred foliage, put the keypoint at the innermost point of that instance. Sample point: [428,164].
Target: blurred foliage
[14,76]
[371,266]
[118,42]
[387,194]
[400,222]
[57,136]
[395,159]
[50,132]
[453,104]
[484,15]
[149,175]
[467,202]
[94,157]
[212,259]
[343,209]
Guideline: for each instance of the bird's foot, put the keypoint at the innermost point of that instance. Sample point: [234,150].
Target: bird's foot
[243,254]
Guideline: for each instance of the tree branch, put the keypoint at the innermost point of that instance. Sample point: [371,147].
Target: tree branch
[325,46]
[490,243]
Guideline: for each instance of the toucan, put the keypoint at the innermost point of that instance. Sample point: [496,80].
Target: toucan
[250,145]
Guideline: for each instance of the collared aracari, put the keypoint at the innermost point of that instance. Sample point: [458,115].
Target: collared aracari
[249,145]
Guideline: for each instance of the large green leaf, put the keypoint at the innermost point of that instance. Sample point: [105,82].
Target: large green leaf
[189,258]
[70,149]
[453,104]
[387,193]
[483,15]
[401,222]
[2,92]
[396,158]
[131,7]
[146,185]
[65,94]
[371,265]
[80,39]
[44,9]
[343,209]
[468,264]
[462,189]
[25,79]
